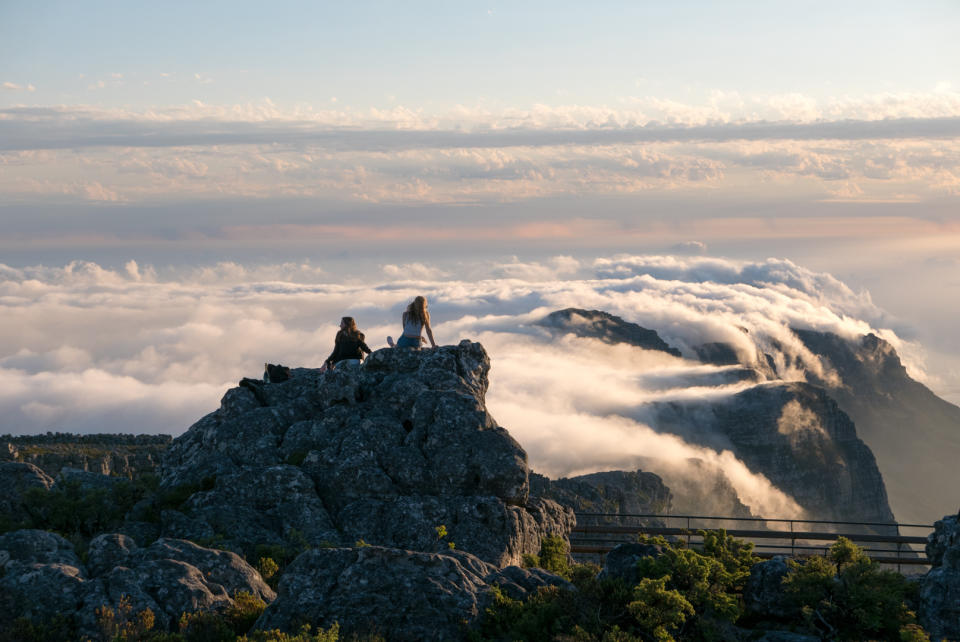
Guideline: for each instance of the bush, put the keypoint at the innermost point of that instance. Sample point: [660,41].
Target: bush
[682,593]
[847,596]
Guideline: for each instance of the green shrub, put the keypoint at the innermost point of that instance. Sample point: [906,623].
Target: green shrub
[555,555]
[304,635]
[658,610]
[847,596]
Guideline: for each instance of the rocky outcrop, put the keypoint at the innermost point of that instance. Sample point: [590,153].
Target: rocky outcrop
[402,595]
[596,324]
[939,611]
[16,478]
[384,452]
[795,435]
[43,577]
[698,487]
[614,491]
[128,456]
[763,594]
[901,420]
[621,562]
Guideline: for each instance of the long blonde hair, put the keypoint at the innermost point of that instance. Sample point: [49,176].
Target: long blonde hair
[417,310]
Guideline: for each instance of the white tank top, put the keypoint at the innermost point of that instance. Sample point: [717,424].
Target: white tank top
[411,327]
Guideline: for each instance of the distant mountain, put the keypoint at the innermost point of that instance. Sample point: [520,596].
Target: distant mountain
[913,433]
[794,433]
[605,327]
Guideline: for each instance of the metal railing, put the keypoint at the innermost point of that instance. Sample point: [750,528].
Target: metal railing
[599,533]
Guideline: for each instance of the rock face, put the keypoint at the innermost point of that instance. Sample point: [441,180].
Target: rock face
[901,420]
[384,452]
[763,594]
[16,478]
[403,595]
[606,327]
[615,491]
[797,436]
[939,611]
[43,577]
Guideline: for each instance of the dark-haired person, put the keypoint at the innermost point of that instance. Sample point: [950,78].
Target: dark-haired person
[415,319]
[348,346]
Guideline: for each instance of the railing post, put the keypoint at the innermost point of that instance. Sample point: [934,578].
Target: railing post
[688,531]
[793,542]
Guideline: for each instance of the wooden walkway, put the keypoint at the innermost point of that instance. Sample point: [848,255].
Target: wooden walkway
[885,542]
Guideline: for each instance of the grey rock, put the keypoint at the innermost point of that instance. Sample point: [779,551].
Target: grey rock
[939,608]
[39,591]
[901,420]
[763,594]
[16,478]
[519,583]
[87,480]
[108,551]
[9,452]
[31,546]
[621,562]
[402,595]
[180,526]
[795,435]
[384,452]
[259,499]
[44,578]
[615,491]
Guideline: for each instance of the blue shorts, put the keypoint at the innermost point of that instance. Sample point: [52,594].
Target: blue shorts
[408,342]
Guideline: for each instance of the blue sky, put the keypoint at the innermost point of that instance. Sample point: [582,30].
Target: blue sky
[439,54]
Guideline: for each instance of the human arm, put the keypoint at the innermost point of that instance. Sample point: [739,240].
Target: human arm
[336,348]
[433,344]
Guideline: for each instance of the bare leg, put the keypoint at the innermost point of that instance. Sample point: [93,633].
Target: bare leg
[390,342]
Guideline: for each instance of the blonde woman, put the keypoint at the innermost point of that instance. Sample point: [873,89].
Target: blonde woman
[415,319]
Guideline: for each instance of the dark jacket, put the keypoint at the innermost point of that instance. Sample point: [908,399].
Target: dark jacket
[346,346]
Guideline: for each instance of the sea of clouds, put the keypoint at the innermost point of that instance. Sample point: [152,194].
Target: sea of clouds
[141,350]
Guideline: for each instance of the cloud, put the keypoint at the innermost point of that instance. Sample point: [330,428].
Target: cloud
[9,86]
[139,348]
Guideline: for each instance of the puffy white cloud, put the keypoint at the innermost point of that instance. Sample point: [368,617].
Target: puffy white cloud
[86,348]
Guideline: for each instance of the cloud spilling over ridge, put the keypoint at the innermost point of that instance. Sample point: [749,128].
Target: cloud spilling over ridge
[85,348]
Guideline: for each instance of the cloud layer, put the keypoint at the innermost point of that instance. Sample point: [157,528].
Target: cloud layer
[84,348]
[895,147]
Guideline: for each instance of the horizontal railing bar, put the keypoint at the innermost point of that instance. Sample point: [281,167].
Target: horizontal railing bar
[584,541]
[754,519]
[758,534]
[767,555]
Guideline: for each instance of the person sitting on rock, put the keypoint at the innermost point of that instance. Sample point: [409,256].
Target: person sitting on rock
[414,319]
[348,346]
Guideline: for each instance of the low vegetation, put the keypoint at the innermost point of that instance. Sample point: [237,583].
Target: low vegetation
[687,594]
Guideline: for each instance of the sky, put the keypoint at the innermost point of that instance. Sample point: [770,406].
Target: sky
[150,147]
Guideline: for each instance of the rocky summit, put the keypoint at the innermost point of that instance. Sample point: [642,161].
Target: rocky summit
[385,452]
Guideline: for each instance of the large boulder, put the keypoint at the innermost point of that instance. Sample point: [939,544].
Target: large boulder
[385,452]
[764,596]
[402,595]
[16,478]
[939,610]
[43,578]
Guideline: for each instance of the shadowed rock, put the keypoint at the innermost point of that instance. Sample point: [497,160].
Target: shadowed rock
[403,595]
[383,452]
[596,324]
